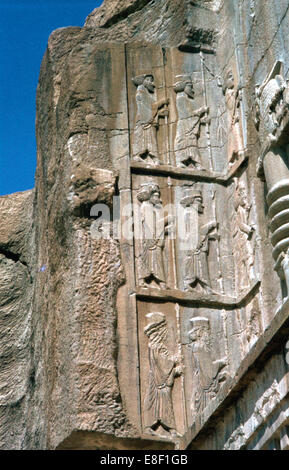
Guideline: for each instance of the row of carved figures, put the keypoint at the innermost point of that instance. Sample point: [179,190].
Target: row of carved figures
[197,233]
[190,120]
[166,365]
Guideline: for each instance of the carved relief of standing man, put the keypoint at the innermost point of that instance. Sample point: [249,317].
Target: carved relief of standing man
[196,261]
[242,233]
[154,228]
[144,141]
[235,135]
[164,367]
[208,374]
[188,126]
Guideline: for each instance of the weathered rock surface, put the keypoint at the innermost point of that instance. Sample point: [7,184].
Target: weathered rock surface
[112,12]
[152,102]
[15,320]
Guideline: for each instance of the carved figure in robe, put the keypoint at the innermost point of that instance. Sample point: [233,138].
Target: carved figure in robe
[235,142]
[242,234]
[144,139]
[189,123]
[208,373]
[196,262]
[163,368]
[154,228]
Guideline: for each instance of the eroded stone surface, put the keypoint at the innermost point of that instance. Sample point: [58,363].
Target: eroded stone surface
[117,342]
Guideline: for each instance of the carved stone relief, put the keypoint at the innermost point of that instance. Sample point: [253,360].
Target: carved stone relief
[235,145]
[153,230]
[188,127]
[162,370]
[194,109]
[209,374]
[237,439]
[164,367]
[196,272]
[204,250]
[199,32]
[206,360]
[254,321]
[185,134]
[266,403]
[272,104]
[148,105]
[179,113]
[149,111]
[169,322]
[243,231]
[198,39]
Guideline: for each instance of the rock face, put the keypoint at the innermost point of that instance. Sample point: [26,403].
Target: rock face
[144,302]
[113,11]
[16,241]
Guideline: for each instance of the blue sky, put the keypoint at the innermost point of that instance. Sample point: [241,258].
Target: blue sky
[25,26]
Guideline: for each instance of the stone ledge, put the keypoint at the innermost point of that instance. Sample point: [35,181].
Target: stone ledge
[176,295]
[176,172]
[89,440]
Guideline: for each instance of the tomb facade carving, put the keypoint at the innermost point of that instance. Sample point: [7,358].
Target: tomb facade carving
[154,228]
[233,98]
[151,263]
[271,101]
[189,125]
[165,366]
[196,271]
[243,232]
[149,111]
[208,372]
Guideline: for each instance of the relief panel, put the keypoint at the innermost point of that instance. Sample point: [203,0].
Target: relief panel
[148,105]
[194,233]
[205,357]
[153,225]
[204,249]
[196,111]
[244,235]
[161,370]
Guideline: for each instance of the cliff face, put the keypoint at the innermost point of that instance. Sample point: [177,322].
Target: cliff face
[16,244]
[113,12]
[93,325]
